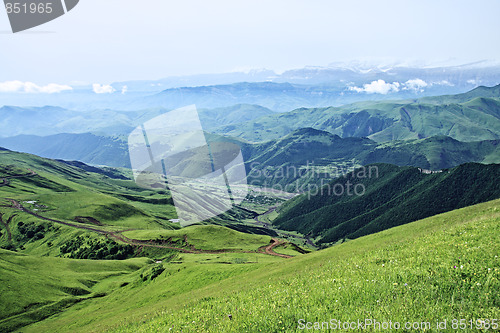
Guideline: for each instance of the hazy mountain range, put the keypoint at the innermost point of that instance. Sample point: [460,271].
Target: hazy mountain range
[49,120]
[432,132]
[307,87]
[470,116]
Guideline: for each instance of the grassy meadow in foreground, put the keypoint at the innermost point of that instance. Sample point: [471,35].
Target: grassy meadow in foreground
[443,267]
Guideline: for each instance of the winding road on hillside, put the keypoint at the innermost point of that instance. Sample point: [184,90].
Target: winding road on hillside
[144,243]
[4,181]
[6,225]
[267,249]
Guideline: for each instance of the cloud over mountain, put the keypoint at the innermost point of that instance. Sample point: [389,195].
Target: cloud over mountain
[103,88]
[382,87]
[378,87]
[30,87]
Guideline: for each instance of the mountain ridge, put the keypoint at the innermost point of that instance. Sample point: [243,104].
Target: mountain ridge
[394,196]
[467,117]
[298,149]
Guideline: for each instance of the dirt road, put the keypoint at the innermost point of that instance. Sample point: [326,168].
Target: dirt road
[135,242]
[269,248]
[119,237]
[6,225]
[4,181]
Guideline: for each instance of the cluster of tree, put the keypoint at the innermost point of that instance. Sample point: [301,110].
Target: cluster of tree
[86,248]
[31,231]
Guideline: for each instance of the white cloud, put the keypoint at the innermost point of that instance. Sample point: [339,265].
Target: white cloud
[378,87]
[443,83]
[124,90]
[416,85]
[11,86]
[382,87]
[103,89]
[30,87]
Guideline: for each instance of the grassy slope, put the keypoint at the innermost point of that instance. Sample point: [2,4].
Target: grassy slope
[182,280]
[327,152]
[206,237]
[64,192]
[402,274]
[38,286]
[69,191]
[33,288]
[60,282]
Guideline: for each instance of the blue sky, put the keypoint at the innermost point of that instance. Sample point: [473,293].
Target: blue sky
[102,41]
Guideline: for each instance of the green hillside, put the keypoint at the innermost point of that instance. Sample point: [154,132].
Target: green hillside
[148,274]
[54,208]
[79,208]
[435,153]
[302,149]
[473,116]
[64,191]
[309,156]
[34,288]
[481,91]
[443,267]
[379,197]
[55,215]
[40,285]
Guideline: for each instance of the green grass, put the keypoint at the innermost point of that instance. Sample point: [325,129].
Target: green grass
[197,292]
[183,279]
[68,192]
[205,237]
[442,267]
[62,287]
[403,274]
[33,288]
[82,284]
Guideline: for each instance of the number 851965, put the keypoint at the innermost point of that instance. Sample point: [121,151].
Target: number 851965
[31,8]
